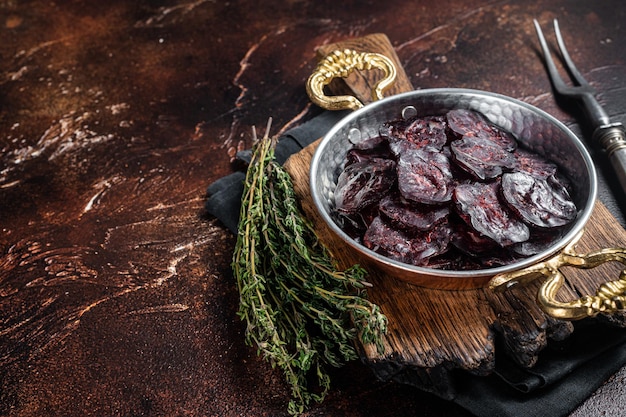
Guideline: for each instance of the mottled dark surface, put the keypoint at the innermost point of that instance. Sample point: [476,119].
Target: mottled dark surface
[116,296]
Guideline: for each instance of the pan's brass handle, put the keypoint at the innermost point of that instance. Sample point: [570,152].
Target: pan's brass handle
[339,64]
[609,298]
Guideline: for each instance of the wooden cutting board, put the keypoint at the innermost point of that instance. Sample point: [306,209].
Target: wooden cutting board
[432,332]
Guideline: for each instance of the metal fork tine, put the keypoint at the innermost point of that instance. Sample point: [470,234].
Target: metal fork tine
[611,136]
[582,86]
[556,79]
[582,90]
[568,61]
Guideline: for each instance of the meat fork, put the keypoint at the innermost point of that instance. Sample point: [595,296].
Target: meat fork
[610,135]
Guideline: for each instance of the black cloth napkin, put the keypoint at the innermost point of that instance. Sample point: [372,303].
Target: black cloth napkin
[567,372]
[562,379]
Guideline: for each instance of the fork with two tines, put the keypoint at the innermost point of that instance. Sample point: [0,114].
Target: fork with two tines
[611,136]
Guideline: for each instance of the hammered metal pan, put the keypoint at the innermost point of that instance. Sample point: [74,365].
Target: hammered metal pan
[532,127]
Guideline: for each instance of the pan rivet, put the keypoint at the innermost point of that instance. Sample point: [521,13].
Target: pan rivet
[408,112]
[354,135]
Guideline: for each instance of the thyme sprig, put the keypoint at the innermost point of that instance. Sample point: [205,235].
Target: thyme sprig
[301,313]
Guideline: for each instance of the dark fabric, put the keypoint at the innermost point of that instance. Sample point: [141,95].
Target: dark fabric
[562,380]
[589,341]
[567,372]
[225,199]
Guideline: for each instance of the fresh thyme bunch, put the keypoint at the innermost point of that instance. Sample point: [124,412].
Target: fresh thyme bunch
[301,312]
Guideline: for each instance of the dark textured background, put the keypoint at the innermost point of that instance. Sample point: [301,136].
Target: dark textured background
[116,296]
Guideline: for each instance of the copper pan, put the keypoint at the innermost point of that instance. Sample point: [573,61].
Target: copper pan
[534,129]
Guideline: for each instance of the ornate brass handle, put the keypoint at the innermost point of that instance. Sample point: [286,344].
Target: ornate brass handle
[339,64]
[609,298]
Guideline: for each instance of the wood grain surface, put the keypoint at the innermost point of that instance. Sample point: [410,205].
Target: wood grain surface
[117,296]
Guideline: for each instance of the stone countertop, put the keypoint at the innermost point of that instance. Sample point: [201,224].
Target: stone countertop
[116,294]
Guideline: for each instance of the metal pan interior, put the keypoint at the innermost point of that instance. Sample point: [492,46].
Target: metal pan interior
[533,127]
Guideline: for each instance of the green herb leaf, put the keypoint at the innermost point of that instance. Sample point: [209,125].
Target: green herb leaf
[302,314]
